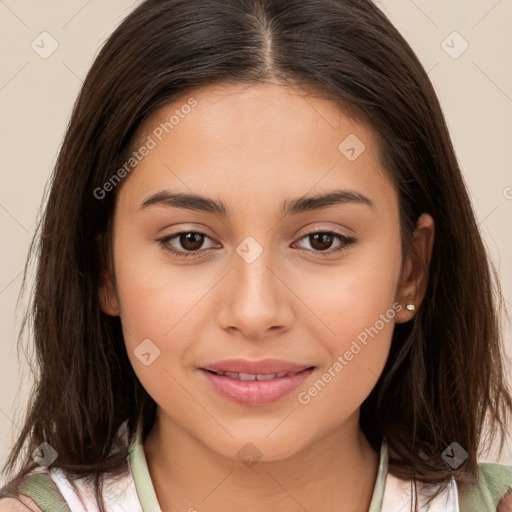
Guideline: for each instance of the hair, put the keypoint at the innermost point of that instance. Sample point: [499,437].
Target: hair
[444,379]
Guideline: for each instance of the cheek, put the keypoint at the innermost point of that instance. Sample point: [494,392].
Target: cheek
[353,295]
[151,295]
[155,309]
[154,301]
[356,306]
[357,353]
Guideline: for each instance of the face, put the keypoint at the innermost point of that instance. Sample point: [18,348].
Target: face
[264,272]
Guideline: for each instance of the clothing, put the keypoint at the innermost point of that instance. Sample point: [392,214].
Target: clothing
[134,492]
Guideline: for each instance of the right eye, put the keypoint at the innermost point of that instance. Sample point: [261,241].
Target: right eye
[190,241]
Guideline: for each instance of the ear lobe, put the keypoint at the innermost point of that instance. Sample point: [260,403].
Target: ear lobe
[107,295]
[415,274]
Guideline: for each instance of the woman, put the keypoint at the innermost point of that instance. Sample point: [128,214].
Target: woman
[261,283]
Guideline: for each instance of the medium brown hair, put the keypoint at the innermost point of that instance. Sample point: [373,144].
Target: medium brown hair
[444,379]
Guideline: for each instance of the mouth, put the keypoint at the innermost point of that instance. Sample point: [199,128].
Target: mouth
[246,368]
[255,389]
[256,376]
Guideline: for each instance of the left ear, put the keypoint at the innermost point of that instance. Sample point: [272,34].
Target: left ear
[414,277]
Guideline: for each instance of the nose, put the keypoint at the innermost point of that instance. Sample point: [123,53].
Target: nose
[256,301]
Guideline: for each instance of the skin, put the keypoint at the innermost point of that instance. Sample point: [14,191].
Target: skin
[253,147]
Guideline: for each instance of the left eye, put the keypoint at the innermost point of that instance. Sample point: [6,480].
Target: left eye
[321,239]
[191,242]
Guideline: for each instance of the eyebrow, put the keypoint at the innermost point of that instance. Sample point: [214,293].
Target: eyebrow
[291,207]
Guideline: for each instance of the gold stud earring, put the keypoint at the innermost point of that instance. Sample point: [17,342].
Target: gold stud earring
[410,307]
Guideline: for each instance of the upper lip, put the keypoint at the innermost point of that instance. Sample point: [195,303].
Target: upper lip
[262,367]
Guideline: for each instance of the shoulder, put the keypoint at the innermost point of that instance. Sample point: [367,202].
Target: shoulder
[54,489]
[35,492]
[18,505]
[492,492]
[505,505]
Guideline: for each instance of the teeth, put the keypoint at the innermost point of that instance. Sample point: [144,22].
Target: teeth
[268,376]
[246,376]
[252,376]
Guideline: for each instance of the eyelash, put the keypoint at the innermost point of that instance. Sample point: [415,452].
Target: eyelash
[346,240]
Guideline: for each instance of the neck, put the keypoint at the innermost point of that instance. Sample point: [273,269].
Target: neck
[336,473]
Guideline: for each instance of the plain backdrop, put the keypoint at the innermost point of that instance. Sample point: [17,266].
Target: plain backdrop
[465,45]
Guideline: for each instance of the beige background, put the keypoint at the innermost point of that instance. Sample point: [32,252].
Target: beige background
[37,95]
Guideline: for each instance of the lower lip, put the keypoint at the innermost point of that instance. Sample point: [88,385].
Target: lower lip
[256,392]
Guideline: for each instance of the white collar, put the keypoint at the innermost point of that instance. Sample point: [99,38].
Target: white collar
[392,493]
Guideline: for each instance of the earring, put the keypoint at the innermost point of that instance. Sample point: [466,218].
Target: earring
[410,307]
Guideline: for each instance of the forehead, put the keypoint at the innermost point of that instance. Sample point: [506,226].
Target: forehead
[257,140]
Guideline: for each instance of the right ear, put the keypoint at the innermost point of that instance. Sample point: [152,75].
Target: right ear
[109,303]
